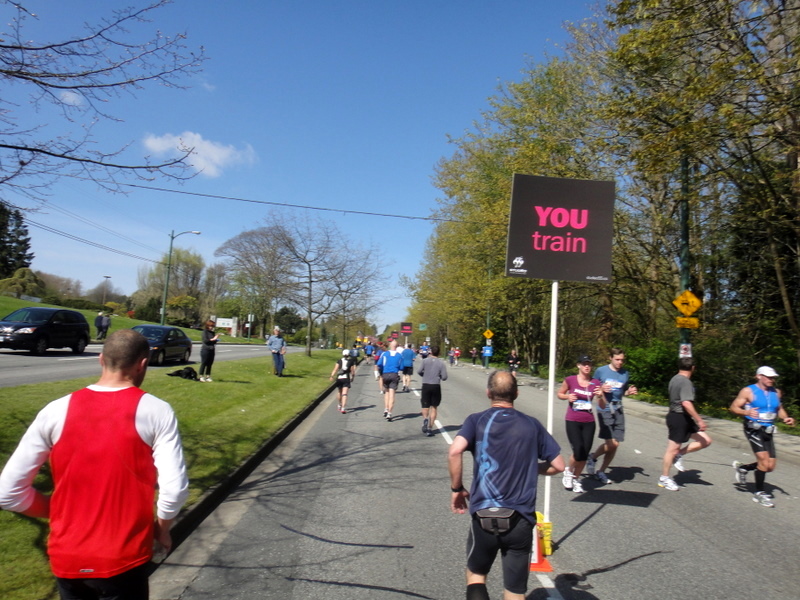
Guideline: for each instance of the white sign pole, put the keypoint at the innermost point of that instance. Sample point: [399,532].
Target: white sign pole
[551,387]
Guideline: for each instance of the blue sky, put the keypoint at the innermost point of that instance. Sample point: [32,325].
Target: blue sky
[344,104]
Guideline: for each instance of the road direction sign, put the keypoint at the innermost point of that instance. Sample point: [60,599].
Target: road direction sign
[687,303]
[687,322]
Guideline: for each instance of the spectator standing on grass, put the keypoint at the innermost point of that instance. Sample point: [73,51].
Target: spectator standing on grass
[208,351]
[105,324]
[684,423]
[110,446]
[277,345]
[760,405]
[433,372]
[510,450]
[98,324]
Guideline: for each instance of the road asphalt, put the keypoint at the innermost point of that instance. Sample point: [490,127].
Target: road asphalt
[302,525]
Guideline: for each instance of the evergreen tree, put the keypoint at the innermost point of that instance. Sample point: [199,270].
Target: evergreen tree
[15,244]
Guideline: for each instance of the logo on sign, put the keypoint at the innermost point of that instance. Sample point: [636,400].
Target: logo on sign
[518,262]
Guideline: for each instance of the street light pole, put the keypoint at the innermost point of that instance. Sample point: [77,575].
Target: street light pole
[105,289]
[172,237]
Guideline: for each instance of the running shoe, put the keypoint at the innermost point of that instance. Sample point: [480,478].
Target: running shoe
[209,380]
[591,465]
[677,462]
[763,499]
[425,426]
[568,479]
[668,483]
[429,433]
[577,487]
[339,408]
[385,412]
[739,474]
[343,410]
[388,416]
[601,477]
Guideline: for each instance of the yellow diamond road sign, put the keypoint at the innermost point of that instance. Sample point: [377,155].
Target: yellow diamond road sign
[687,303]
[488,333]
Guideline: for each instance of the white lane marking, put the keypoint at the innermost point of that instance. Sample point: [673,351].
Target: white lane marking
[445,435]
[548,584]
[78,358]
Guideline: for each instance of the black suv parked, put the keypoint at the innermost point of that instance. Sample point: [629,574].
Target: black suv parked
[38,328]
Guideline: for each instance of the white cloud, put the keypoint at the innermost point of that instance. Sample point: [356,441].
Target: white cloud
[207,157]
[71,98]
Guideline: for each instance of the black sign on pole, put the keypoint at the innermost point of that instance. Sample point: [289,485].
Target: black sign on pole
[560,229]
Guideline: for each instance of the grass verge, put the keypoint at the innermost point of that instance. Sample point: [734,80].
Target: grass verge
[221,423]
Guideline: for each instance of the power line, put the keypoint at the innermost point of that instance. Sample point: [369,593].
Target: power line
[88,242]
[289,205]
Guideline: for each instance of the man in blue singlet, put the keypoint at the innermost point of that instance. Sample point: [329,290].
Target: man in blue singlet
[760,405]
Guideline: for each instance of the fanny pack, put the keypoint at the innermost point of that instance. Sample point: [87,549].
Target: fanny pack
[756,425]
[497,520]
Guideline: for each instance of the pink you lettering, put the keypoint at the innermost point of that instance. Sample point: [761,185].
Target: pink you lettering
[560,218]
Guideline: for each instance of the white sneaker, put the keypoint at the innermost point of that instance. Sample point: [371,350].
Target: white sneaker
[577,487]
[668,483]
[763,499]
[208,379]
[677,462]
[568,479]
[591,465]
[601,477]
[739,474]
[339,407]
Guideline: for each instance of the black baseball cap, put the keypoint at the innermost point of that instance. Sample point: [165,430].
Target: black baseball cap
[584,359]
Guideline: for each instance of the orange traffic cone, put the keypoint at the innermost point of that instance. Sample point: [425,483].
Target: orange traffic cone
[539,563]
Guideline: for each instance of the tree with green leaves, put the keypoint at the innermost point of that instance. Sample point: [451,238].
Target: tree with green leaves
[15,243]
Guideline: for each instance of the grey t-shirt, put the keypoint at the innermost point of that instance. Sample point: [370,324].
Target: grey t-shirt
[680,390]
[433,370]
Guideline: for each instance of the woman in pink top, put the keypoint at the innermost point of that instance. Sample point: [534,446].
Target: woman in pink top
[579,390]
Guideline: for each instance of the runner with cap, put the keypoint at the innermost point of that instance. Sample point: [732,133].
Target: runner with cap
[579,390]
[760,405]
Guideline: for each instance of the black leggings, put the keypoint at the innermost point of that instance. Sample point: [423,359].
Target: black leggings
[580,436]
[206,360]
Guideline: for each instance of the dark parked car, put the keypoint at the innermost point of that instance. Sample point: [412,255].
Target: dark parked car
[38,328]
[166,343]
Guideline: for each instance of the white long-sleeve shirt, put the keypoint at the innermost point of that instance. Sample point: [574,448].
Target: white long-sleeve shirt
[156,425]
